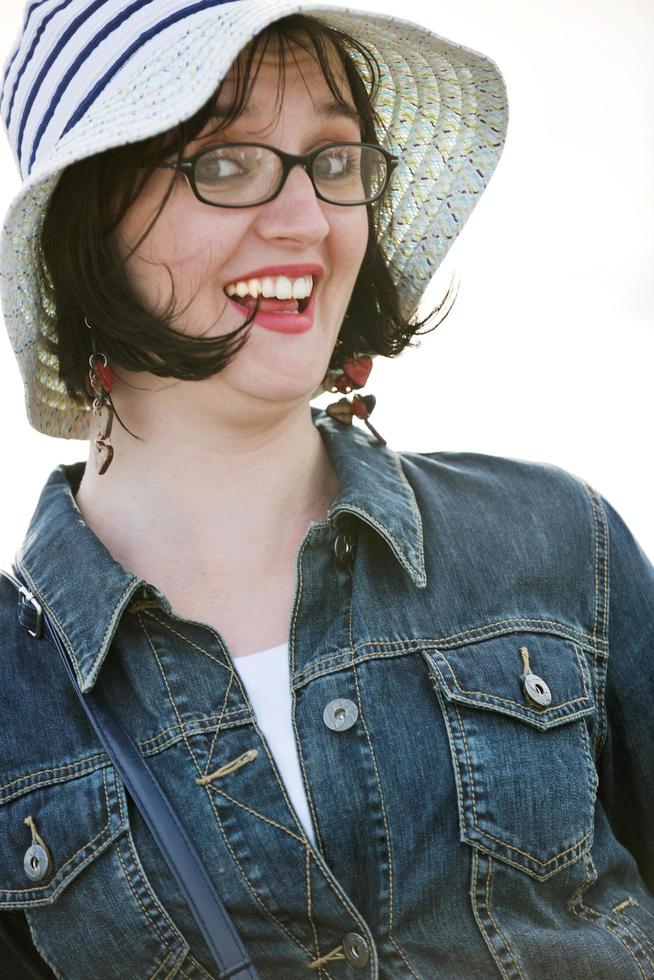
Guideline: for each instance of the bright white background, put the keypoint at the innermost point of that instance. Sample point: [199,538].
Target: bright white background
[547,354]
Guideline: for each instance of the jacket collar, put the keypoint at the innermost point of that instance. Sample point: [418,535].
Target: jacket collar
[86,591]
[373,486]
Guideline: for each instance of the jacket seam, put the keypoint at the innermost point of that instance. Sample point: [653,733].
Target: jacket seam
[76,769]
[68,771]
[454,640]
[212,802]
[292,644]
[602,582]
[146,915]
[477,883]
[605,920]
[389,850]
[309,855]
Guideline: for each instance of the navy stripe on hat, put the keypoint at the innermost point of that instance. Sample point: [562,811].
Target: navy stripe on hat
[78,63]
[68,52]
[28,16]
[19,74]
[86,104]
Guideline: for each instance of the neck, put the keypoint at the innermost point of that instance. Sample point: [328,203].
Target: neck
[208,492]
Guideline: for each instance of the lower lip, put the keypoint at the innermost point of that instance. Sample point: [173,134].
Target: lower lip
[282,322]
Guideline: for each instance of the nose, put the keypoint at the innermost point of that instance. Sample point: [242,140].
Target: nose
[296,213]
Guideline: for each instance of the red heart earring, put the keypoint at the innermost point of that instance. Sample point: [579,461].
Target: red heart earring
[353,374]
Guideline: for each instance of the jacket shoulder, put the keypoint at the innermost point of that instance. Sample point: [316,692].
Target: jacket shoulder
[481,479]
[495,513]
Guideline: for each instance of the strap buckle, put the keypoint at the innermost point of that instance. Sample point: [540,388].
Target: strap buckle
[30,618]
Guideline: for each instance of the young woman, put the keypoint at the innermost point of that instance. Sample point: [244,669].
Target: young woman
[400,702]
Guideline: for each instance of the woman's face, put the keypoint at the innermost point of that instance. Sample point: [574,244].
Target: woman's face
[207,249]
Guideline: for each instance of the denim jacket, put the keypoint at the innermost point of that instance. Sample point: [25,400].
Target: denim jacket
[472,672]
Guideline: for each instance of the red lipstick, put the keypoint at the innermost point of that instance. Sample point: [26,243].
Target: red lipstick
[292,271]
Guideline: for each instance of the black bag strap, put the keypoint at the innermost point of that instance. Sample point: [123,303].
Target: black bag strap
[181,857]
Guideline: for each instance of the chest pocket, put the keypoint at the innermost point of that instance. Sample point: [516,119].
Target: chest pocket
[520,746]
[87,898]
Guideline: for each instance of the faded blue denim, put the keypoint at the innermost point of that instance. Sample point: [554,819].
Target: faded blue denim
[463,830]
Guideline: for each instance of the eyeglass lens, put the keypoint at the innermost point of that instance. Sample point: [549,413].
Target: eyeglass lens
[240,174]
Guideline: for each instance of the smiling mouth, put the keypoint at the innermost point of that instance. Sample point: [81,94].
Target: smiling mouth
[272,294]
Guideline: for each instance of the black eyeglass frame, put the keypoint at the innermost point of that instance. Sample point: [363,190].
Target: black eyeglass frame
[289,160]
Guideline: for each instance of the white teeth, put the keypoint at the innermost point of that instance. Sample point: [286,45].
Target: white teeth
[284,288]
[279,287]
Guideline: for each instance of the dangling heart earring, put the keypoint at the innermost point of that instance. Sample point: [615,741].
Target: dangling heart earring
[99,382]
[344,411]
[353,374]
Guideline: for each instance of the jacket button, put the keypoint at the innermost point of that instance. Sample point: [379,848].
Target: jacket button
[537,690]
[36,862]
[340,714]
[356,949]
[344,547]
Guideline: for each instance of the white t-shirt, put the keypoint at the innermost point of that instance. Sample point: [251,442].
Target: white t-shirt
[266,678]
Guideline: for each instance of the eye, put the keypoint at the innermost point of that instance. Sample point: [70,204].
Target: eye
[220,165]
[225,167]
[335,162]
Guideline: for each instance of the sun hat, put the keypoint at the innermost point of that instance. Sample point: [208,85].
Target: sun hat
[88,75]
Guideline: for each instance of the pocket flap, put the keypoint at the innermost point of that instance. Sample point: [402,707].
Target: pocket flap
[75,819]
[489,675]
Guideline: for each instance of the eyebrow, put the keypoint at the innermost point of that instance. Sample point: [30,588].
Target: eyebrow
[329,109]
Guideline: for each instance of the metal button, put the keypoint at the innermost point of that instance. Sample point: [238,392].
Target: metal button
[36,862]
[356,949]
[340,714]
[537,690]
[344,547]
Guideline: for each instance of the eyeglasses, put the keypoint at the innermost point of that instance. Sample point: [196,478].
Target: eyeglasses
[241,175]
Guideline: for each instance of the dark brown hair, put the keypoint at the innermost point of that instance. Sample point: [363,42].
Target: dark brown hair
[82,274]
